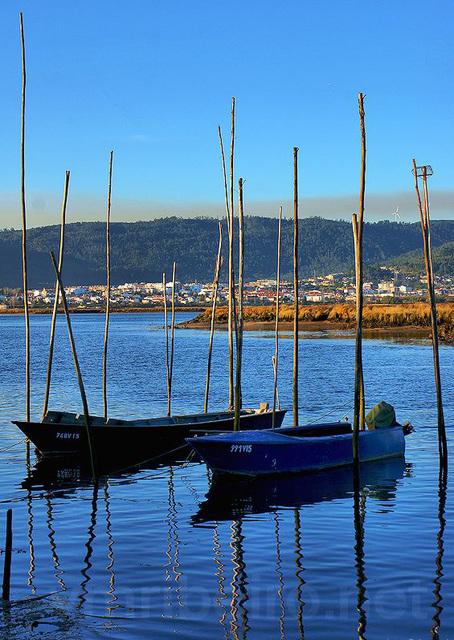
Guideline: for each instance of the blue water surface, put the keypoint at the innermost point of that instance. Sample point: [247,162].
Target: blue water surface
[166,552]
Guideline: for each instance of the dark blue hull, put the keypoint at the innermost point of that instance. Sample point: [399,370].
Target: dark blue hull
[278,451]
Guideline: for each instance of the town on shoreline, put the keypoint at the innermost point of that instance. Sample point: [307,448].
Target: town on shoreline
[335,288]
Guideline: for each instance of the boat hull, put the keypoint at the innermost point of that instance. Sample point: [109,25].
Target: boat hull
[275,452]
[129,439]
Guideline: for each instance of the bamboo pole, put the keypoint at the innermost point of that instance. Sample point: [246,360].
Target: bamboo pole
[24,231]
[359,405]
[106,330]
[239,342]
[57,294]
[76,364]
[425,226]
[276,328]
[295,287]
[231,268]
[172,332]
[213,316]
[166,333]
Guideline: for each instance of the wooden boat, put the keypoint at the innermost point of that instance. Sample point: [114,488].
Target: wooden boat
[63,433]
[296,449]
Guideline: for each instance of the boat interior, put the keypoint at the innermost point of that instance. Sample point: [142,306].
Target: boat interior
[317,430]
[67,418]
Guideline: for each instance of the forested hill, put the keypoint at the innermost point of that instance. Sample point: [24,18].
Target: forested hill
[141,251]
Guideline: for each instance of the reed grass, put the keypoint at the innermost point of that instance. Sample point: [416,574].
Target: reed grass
[374,316]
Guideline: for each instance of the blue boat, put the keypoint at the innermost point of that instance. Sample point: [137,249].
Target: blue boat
[296,449]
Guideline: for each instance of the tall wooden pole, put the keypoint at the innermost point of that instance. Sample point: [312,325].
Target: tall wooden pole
[57,294]
[231,268]
[166,331]
[359,410]
[239,342]
[24,231]
[76,364]
[295,287]
[172,332]
[276,327]
[213,316]
[425,225]
[106,330]
[229,217]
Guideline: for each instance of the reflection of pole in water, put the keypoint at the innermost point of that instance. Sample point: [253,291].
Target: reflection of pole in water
[442,484]
[89,546]
[173,549]
[359,509]
[53,546]
[110,554]
[217,557]
[31,571]
[239,581]
[280,591]
[299,572]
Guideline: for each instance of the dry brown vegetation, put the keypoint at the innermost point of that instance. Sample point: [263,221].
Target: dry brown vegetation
[375,316]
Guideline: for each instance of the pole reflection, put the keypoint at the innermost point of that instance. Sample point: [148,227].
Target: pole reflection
[220,570]
[112,597]
[436,604]
[53,547]
[31,570]
[280,591]
[359,509]
[238,609]
[172,568]
[89,546]
[299,572]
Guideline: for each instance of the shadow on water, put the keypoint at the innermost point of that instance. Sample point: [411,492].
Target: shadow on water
[230,499]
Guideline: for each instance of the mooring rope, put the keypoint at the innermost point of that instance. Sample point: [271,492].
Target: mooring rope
[347,404]
[16,444]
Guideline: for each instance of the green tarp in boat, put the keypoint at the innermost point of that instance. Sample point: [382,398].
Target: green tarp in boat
[380,416]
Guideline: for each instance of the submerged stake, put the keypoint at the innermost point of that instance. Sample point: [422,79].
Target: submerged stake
[8,552]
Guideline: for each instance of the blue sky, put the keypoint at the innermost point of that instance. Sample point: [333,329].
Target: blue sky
[152,81]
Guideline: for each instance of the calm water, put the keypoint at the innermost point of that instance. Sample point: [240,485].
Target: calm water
[164,552]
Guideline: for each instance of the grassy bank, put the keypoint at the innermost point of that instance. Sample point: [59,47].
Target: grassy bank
[375,316]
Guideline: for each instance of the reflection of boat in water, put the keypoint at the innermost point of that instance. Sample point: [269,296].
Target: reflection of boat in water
[69,472]
[227,500]
[63,433]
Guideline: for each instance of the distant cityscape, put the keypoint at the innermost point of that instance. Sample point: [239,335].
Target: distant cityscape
[329,289]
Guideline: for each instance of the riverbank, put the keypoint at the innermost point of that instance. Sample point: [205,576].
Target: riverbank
[401,318]
[48,310]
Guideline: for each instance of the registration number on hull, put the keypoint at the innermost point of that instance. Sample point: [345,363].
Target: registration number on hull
[241,448]
[67,436]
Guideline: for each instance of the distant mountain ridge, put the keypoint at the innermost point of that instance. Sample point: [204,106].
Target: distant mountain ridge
[141,251]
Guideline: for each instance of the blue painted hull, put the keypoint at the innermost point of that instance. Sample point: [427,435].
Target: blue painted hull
[268,452]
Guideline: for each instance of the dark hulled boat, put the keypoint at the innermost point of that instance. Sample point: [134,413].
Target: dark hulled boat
[63,433]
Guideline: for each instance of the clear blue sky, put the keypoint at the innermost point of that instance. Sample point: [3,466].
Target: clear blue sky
[152,80]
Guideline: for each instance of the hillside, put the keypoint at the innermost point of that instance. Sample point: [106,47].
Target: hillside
[142,250]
